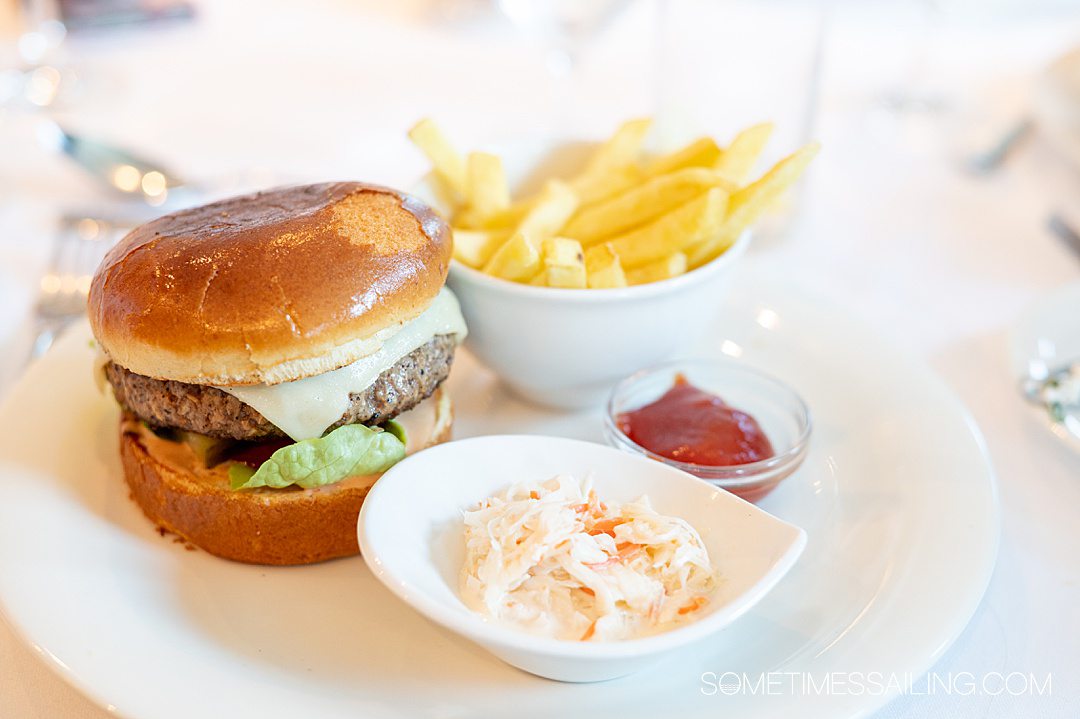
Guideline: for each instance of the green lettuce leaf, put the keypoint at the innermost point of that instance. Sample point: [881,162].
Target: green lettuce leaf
[350,451]
[397,429]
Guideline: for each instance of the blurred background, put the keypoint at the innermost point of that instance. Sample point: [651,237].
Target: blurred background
[946,198]
[113,110]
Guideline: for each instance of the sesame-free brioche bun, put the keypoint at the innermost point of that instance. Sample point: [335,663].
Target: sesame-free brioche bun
[268,287]
[258,526]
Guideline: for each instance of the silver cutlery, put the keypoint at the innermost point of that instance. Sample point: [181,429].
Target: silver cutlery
[78,247]
[993,157]
[1065,232]
[1059,394]
[122,171]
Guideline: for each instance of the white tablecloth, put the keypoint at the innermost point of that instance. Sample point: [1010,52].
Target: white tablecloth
[891,224]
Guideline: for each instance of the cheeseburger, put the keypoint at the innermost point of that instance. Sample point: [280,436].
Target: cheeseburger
[272,355]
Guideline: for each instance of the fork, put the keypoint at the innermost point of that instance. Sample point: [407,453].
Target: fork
[78,247]
[1065,231]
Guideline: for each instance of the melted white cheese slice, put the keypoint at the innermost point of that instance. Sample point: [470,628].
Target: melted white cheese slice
[303,409]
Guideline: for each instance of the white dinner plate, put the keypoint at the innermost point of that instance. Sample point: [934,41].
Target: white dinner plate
[897,496]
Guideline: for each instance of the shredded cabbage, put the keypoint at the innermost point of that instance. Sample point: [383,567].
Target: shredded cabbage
[553,560]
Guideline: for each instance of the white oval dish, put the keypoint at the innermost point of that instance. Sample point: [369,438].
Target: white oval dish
[411,535]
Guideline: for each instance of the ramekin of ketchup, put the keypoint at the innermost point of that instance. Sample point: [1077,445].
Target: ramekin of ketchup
[662,414]
[690,425]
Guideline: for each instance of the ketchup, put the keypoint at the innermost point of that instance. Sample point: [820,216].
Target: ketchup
[690,425]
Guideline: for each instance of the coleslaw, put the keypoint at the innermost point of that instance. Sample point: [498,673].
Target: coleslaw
[550,558]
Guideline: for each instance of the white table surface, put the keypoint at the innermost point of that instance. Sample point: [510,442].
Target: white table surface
[891,224]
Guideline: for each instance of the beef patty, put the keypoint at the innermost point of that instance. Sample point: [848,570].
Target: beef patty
[211,411]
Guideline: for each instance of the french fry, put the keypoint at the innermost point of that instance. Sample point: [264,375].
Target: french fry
[702,152]
[609,172]
[621,220]
[506,219]
[445,196]
[564,263]
[591,189]
[751,201]
[548,215]
[621,149]
[475,247]
[518,259]
[446,160]
[641,204]
[665,268]
[612,168]
[486,184]
[603,268]
[689,224]
[568,278]
[739,157]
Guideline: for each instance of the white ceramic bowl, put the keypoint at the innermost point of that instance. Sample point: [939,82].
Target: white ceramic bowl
[782,414]
[411,536]
[567,348]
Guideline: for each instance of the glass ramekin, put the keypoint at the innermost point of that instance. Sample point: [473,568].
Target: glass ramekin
[782,414]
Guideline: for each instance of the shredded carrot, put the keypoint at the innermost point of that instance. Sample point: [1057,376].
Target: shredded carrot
[625,551]
[588,591]
[606,526]
[589,632]
[694,604]
[534,495]
[594,506]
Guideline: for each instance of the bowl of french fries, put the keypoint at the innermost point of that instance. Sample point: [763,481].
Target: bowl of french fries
[579,263]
